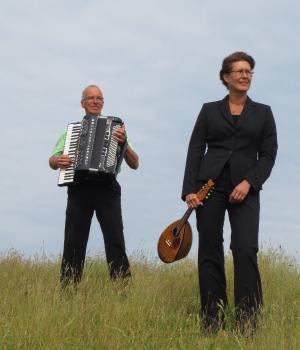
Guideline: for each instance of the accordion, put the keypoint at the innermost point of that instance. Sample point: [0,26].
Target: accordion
[93,149]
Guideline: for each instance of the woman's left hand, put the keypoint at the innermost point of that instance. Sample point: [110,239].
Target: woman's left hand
[239,192]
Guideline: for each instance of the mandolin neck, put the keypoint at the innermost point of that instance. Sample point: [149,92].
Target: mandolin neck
[202,194]
[184,219]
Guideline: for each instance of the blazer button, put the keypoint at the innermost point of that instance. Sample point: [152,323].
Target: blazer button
[230,152]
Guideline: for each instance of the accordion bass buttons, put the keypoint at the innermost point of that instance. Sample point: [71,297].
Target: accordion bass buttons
[85,127]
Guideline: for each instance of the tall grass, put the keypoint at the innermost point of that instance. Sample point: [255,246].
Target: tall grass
[158,310]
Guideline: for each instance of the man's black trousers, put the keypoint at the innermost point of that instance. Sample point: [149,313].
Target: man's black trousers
[244,222]
[103,197]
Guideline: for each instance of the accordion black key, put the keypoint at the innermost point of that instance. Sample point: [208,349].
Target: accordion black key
[93,149]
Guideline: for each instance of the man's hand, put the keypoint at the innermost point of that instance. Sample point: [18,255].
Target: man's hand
[120,134]
[192,200]
[132,159]
[239,192]
[63,161]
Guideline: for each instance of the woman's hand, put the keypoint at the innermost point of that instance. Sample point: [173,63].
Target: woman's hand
[239,192]
[192,201]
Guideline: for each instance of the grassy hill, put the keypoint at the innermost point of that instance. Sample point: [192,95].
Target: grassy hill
[158,310]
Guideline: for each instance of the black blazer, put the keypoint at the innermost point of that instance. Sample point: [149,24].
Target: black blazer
[250,145]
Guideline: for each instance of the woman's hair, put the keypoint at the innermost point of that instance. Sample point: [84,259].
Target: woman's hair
[235,57]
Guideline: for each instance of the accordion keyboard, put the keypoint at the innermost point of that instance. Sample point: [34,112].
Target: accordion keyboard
[73,131]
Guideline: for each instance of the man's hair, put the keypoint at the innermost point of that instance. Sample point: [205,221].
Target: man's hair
[85,89]
[235,57]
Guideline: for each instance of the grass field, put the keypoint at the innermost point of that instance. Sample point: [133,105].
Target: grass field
[158,310]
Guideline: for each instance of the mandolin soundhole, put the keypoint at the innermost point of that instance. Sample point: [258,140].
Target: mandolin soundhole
[175,232]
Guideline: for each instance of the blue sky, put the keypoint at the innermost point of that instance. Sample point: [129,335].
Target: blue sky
[157,62]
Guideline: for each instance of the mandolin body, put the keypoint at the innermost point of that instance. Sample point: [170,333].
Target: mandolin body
[175,244]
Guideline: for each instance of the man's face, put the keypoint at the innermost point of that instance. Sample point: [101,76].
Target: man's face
[93,101]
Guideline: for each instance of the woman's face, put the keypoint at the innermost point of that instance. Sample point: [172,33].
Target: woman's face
[239,78]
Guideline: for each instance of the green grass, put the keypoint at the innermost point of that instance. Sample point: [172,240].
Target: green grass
[159,310]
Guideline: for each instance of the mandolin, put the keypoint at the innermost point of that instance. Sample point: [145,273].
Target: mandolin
[176,240]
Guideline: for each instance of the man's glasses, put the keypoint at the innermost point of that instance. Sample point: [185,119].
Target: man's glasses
[240,72]
[94,98]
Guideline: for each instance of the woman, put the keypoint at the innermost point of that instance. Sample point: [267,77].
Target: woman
[234,143]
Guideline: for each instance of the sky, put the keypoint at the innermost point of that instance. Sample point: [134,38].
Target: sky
[157,62]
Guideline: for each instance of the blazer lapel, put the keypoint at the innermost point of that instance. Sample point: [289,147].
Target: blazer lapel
[246,113]
[224,108]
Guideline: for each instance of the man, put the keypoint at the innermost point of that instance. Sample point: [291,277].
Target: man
[100,193]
